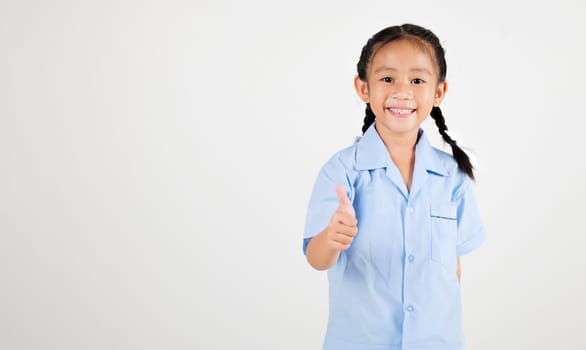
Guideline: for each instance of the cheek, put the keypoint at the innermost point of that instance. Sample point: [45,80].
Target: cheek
[375,97]
[427,95]
[385,92]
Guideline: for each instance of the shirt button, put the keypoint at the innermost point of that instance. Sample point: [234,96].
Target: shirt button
[410,308]
[410,209]
[411,258]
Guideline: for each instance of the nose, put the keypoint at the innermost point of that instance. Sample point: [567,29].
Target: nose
[401,91]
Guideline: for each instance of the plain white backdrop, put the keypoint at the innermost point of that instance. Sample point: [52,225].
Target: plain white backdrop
[156,159]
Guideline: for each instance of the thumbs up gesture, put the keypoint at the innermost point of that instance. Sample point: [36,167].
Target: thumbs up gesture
[343,224]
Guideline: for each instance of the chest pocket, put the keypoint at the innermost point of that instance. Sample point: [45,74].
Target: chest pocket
[444,229]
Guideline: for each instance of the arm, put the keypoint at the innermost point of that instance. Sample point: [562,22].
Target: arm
[324,249]
[320,253]
[458,271]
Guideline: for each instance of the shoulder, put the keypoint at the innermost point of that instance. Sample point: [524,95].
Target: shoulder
[343,160]
[446,160]
[338,169]
[457,179]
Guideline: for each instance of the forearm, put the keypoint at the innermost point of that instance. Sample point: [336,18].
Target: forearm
[458,271]
[320,254]
[324,249]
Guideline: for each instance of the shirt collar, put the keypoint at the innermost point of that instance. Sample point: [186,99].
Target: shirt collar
[371,153]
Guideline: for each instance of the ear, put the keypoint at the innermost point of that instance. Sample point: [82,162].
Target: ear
[361,89]
[440,93]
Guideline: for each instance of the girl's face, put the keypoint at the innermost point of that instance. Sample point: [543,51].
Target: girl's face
[402,87]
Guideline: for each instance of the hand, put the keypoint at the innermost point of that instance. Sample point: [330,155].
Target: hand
[343,224]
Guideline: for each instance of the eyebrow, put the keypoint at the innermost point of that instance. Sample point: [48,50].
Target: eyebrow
[417,69]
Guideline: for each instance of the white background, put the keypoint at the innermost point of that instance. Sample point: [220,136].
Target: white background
[156,159]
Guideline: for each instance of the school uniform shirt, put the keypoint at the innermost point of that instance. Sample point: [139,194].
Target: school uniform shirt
[396,286]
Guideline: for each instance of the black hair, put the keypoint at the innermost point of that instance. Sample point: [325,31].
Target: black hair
[430,42]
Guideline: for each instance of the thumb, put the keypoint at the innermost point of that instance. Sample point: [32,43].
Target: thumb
[343,199]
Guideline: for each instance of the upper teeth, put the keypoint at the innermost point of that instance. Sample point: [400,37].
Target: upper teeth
[401,111]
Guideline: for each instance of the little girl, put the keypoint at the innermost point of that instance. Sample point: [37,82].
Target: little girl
[390,216]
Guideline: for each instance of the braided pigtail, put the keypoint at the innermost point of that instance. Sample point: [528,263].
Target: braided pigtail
[368,118]
[461,157]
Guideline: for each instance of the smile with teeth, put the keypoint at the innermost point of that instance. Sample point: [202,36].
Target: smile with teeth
[401,111]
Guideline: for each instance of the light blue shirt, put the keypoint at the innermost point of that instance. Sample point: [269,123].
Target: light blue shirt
[396,286]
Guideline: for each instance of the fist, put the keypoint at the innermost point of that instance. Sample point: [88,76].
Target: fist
[343,224]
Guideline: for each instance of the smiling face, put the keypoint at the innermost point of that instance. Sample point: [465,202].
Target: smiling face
[401,87]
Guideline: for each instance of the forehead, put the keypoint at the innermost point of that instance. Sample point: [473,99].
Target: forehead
[404,54]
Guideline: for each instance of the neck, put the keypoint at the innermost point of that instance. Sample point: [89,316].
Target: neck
[401,148]
[398,143]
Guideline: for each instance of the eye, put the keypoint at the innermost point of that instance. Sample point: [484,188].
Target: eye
[417,81]
[387,79]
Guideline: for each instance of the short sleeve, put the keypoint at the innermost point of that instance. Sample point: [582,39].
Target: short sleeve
[471,232]
[324,201]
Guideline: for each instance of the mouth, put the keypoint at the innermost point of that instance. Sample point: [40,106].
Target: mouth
[401,112]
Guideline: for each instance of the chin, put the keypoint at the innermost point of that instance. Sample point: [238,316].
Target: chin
[401,126]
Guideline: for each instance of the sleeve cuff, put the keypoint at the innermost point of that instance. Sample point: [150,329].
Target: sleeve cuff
[305,243]
[471,244]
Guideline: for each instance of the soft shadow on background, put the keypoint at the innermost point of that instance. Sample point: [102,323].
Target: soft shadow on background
[156,159]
